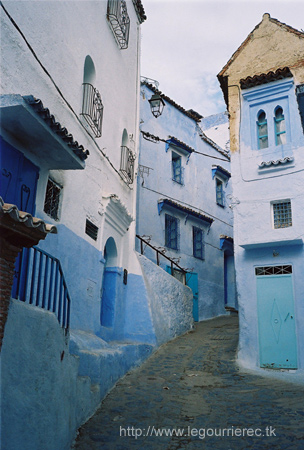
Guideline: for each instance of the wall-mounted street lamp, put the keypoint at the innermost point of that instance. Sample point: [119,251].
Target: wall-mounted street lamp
[157,105]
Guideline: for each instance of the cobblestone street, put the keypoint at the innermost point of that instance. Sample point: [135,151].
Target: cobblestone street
[192,386]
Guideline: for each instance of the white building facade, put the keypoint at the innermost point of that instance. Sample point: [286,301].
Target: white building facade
[69,152]
[264,94]
[183,209]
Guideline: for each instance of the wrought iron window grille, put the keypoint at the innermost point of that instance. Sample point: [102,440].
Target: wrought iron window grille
[127,164]
[273,270]
[92,108]
[52,199]
[282,214]
[119,21]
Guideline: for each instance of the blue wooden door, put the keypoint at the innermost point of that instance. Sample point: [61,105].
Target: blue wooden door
[192,282]
[18,186]
[276,318]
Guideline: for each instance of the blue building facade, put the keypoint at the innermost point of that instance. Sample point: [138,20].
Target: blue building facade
[265,101]
[183,201]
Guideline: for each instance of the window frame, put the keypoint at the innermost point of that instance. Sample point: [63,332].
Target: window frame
[259,125]
[177,177]
[285,222]
[169,220]
[276,122]
[198,253]
[59,188]
[220,199]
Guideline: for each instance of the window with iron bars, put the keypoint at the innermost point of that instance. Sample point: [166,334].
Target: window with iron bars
[127,164]
[282,214]
[273,270]
[119,21]
[220,200]
[177,169]
[52,199]
[171,232]
[92,108]
[198,243]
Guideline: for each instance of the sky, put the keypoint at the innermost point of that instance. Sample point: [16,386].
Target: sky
[185,43]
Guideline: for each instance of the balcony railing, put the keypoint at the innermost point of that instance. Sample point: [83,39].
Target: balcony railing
[127,164]
[119,21]
[92,108]
[40,282]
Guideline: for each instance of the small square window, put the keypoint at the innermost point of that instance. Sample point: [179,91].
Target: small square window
[52,199]
[282,214]
[171,232]
[219,192]
[198,243]
[91,230]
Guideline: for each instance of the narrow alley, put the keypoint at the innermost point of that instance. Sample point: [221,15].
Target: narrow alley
[191,395]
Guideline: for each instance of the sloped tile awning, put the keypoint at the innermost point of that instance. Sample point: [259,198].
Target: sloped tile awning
[191,212]
[31,124]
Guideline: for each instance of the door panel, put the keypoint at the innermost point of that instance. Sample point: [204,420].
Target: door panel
[276,318]
[192,282]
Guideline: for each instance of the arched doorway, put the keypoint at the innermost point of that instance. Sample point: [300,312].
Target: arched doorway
[108,297]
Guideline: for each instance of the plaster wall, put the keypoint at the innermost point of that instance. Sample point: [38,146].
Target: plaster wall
[198,192]
[39,377]
[170,302]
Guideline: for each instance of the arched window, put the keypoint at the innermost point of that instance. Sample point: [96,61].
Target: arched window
[262,130]
[92,107]
[89,73]
[280,128]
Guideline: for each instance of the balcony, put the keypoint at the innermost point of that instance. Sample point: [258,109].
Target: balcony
[119,21]
[92,108]
[127,165]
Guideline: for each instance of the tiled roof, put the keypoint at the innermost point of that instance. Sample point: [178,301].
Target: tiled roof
[221,169]
[6,209]
[183,208]
[209,141]
[283,161]
[139,10]
[263,78]
[174,141]
[56,127]
[223,78]
[190,113]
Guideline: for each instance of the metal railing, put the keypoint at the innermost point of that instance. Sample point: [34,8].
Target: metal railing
[41,283]
[92,108]
[119,20]
[162,254]
[127,164]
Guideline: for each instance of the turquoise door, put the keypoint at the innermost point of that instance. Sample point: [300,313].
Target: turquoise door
[276,318]
[191,281]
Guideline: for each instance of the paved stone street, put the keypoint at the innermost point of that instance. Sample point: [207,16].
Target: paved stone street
[192,386]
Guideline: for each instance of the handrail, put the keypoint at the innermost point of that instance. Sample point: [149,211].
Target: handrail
[41,283]
[159,252]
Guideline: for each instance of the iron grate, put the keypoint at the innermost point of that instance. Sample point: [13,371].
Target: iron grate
[91,230]
[282,214]
[52,199]
[273,270]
